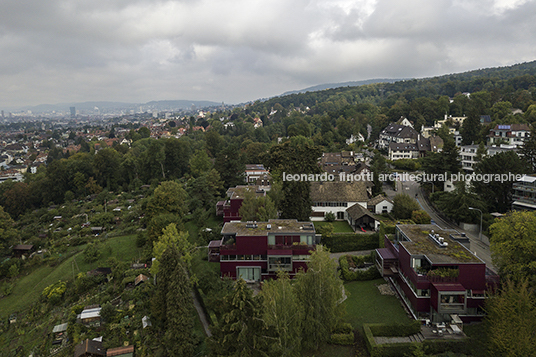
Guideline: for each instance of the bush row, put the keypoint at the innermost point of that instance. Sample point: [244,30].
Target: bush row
[351,242]
[369,274]
[430,347]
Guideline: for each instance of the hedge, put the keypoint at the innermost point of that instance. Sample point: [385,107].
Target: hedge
[343,328]
[351,242]
[387,349]
[342,338]
[369,274]
[431,347]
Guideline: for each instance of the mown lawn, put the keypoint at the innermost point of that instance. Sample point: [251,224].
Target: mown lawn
[338,226]
[28,288]
[365,304]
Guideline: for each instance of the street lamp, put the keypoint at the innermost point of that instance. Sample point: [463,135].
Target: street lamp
[480,232]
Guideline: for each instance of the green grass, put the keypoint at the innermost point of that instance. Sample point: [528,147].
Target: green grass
[28,288]
[338,226]
[365,304]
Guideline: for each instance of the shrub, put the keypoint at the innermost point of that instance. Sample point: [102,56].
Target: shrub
[420,217]
[329,217]
[404,205]
[91,253]
[343,328]
[369,274]
[342,338]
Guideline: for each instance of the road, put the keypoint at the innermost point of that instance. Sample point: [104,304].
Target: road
[479,248]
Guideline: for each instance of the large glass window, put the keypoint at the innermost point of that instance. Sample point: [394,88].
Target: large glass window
[279,263]
[249,273]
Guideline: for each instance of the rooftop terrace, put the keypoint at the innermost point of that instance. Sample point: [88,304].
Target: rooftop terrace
[420,243]
[275,226]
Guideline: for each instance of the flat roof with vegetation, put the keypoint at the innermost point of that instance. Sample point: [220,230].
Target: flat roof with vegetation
[421,244]
[275,226]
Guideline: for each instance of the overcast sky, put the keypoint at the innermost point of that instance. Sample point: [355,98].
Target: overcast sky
[54,51]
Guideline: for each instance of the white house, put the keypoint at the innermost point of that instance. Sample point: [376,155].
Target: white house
[380,204]
[337,196]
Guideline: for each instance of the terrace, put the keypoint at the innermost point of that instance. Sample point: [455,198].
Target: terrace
[416,239]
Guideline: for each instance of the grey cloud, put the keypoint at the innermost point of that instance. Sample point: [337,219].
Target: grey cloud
[139,50]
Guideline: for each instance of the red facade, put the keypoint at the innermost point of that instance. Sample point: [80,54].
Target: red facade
[256,251]
[436,278]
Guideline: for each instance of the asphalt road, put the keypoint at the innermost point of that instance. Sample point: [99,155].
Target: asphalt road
[479,248]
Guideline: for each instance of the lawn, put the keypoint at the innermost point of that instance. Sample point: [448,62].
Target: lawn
[365,304]
[28,288]
[338,226]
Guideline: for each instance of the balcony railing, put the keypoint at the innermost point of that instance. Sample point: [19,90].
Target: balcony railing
[452,307]
[290,246]
[276,267]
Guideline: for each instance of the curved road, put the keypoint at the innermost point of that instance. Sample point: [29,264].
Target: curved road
[479,248]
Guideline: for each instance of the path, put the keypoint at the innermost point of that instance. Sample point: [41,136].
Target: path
[202,316]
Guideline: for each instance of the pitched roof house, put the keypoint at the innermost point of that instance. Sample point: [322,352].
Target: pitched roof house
[337,196]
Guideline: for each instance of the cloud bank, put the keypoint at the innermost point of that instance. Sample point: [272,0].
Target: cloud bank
[240,50]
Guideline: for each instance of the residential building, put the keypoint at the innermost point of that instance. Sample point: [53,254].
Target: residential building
[230,209]
[361,219]
[435,275]
[414,150]
[467,154]
[511,134]
[335,163]
[337,196]
[524,194]
[255,251]
[396,133]
[380,204]
[254,172]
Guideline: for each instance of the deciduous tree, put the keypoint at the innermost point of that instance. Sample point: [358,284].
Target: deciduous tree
[320,292]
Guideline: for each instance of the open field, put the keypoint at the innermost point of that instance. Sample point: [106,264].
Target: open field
[28,288]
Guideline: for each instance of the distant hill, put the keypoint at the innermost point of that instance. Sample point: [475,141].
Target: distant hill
[343,84]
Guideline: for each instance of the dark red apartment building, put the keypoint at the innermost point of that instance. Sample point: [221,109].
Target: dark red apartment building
[436,276]
[255,251]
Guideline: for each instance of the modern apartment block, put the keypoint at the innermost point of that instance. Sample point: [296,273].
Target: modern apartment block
[524,195]
[435,275]
[255,251]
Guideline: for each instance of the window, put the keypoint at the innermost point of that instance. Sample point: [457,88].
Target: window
[279,263]
[248,273]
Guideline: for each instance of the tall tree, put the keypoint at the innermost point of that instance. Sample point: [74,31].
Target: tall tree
[528,150]
[497,193]
[470,129]
[231,167]
[297,156]
[320,292]
[513,245]
[172,305]
[241,330]
[511,320]
[171,238]
[283,313]
[257,208]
